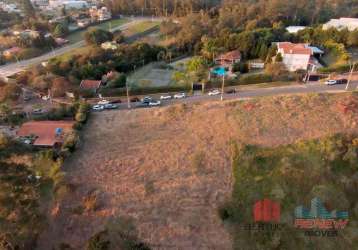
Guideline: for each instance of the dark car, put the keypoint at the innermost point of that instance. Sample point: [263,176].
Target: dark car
[230,91]
[134,99]
[116,101]
[342,81]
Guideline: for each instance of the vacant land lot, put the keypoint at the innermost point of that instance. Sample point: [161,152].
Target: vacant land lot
[170,168]
[151,75]
[77,36]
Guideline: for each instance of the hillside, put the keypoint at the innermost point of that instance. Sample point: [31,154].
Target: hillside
[168,170]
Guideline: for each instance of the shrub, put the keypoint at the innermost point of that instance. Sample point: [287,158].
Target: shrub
[99,241]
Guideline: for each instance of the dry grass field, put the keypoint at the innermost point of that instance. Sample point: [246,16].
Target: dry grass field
[169,168]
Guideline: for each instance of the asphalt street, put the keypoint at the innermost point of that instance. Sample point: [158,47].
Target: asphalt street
[253,93]
[13,68]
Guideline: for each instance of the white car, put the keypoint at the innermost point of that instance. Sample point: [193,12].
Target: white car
[45,98]
[98,107]
[154,103]
[103,102]
[165,97]
[214,92]
[111,106]
[179,96]
[331,82]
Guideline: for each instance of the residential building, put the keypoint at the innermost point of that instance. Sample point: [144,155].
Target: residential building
[101,14]
[299,56]
[12,52]
[109,46]
[83,22]
[71,4]
[93,85]
[10,8]
[342,23]
[229,58]
[40,3]
[294,29]
[46,133]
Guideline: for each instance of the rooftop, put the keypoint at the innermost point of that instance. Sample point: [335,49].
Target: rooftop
[294,48]
[90,84]
[45,131]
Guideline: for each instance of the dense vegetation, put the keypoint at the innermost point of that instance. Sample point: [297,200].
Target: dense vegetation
[241,12]
[293,175]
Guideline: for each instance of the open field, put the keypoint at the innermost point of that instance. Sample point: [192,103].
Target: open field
[140,27]
[170,168]
[77,36]
[151,75]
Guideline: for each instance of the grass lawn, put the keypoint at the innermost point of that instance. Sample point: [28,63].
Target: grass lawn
[78,35]
[265,85]
[140,27]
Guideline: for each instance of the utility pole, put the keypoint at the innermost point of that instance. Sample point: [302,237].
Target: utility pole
[222,88]
[128,98]
[350,76]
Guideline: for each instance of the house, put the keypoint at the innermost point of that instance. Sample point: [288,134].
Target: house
[26,33]
[101,14]
[93,85]
[82,23]
[342,23]
[61,41]
[294,29]
[109,46]
[299,56]
[12,52]
[46,133]
[229,58]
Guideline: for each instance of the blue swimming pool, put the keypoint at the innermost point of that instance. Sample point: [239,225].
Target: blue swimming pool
[220,71]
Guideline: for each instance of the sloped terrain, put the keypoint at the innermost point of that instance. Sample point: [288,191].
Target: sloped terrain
[168,169]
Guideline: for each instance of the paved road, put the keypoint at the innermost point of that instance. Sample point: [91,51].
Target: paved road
[13,68]
[247,94]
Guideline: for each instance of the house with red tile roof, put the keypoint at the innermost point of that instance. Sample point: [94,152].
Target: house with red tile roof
[229,58]
[12,51]
[46,133]
[93,85]
[298,56]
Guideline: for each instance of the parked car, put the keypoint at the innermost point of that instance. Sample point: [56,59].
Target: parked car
[103,102]
[98,107]
[116,101]
[165,97]
[331,82]
[27,98]
[134,99]
[37,111]
[342,81]
[214,92]
[45,98]
[146,99]
[179,96]
[154,103]
[230,91]
[111,106]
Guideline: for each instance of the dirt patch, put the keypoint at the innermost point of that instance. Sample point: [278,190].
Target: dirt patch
[169,168]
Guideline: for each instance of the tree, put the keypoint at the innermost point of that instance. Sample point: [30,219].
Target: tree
[10,92]
[278,57]
[27,7]
[119,81]
[59,86]
[97,36]
[60,30]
